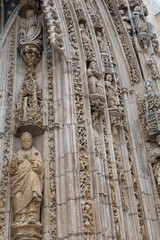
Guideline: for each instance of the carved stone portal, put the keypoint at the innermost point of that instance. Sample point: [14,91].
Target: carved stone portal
[26,176]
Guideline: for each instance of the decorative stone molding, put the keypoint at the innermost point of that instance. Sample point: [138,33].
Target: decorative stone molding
[135,75]
[84,171]
[153,68]
[51,146]
[55,32]
[7,129]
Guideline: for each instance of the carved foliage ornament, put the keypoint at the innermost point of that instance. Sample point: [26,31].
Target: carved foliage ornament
[84,173]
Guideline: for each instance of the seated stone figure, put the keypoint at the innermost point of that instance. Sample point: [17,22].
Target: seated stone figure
[26,180]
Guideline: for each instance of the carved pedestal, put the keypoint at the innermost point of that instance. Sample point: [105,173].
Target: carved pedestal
[27,232]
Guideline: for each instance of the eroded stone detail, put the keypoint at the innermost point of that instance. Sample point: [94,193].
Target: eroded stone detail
[26,184]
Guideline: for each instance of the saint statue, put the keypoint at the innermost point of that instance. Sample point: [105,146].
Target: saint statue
[85,37]
[26,180]
[94,83]
[30,31]
[155,160]
[112,95]
[139,21]
[101,42]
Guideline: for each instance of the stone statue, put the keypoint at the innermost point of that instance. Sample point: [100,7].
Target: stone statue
[155,160]
[30,39]
[30,32]
[112,95]
[139,21]
[85,37]
[26,179]
[101,42]
[94,83]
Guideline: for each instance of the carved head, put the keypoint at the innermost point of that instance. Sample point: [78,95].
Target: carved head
[93,65]
[99,34]
[29,13]
[137,9]
[26,140]
[82,25]
[109,78]
[158,140]
[121,12]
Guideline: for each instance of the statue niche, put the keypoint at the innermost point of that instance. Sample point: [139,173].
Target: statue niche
[30,39]
[26,184]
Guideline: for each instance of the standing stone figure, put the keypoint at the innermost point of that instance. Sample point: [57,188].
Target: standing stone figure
[101,42]
[139,20]
[112,95]
[85,37]
[30,32]
[155,160]
[26,179]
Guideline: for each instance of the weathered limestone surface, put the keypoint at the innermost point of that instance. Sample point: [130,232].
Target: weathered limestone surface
[79,85]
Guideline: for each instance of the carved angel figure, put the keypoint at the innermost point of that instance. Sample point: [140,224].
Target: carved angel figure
[139,20]
[113,99]
[30,32]
[26,179]
[155,160]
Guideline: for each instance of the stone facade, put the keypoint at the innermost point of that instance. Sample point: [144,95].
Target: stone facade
[79,122]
